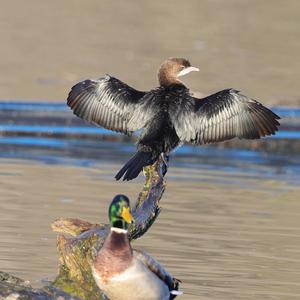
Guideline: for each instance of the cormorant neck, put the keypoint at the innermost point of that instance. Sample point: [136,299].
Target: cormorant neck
[166,79]
[167,75]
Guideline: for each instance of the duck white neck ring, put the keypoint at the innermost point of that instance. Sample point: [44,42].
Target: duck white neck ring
[118,230]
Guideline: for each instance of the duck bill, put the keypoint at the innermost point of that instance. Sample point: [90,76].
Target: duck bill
[187,71]
[126,215]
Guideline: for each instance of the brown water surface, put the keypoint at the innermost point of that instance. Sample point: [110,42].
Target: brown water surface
[253,46]
[238,240]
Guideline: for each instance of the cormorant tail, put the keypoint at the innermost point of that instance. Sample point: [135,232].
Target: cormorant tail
[135,165]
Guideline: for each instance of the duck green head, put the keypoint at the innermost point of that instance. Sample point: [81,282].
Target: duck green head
[119,212]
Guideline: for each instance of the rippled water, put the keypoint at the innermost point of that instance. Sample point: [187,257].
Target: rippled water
[230,221]
[252,45]
[226,236]
[229,227]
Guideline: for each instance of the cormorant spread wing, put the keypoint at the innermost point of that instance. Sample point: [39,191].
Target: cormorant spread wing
[222,116]
[110,103]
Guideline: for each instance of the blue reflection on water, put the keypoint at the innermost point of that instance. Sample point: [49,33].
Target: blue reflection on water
[33,120]
[61,106]
[33,141]
[282,134]
[55,129]
[285,112]
[32,106]
[87,153]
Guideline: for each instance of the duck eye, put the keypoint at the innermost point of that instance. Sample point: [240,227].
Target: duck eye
[182,67]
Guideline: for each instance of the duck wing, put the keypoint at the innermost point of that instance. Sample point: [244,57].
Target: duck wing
[110,103]
[222,116]
[159,271]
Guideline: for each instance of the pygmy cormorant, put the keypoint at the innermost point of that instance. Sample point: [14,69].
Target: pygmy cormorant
[169,115]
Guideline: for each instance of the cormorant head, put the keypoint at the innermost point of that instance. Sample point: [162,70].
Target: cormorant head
[173,68]
[119,212]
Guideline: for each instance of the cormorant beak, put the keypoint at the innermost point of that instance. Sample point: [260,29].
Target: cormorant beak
[126,215]
[187,70]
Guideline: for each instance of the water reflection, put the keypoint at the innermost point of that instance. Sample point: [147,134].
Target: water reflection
[229,227]
[225,237]
[34,131]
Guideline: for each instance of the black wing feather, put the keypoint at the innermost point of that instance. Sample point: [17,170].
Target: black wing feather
[110,103]
[222,116]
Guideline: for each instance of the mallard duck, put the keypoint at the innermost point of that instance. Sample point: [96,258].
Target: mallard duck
[123,273]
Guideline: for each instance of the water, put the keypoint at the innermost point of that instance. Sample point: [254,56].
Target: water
[51,134]
[225,236]
[229,226]
[252,45]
